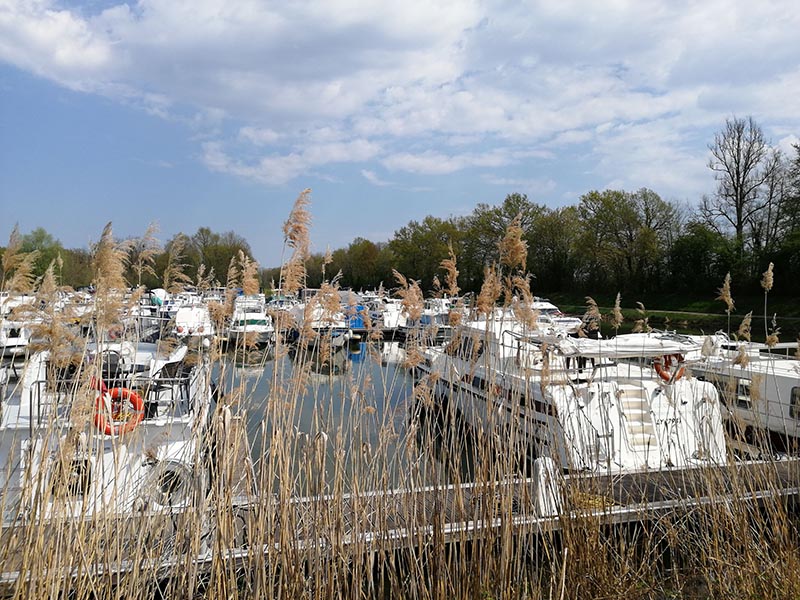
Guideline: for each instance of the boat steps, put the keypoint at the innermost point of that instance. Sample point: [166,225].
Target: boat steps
[639,423]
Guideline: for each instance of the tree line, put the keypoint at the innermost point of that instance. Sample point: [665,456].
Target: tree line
[611,240]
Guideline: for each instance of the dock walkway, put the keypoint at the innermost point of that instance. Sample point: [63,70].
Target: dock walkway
[384,521]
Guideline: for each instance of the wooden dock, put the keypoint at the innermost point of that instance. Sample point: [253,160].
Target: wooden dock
[389,520]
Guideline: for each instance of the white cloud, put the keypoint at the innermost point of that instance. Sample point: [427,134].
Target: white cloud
[373,178]
[436,163]
[404,83]
[278,169]
[789,145]
[539,186]
[258,136]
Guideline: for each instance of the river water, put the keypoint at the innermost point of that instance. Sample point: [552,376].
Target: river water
[358,405]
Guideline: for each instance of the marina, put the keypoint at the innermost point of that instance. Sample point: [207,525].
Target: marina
[194,483]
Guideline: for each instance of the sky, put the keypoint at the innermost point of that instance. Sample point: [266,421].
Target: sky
[218,113]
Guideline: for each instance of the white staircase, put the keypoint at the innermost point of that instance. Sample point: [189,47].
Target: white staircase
[635,408]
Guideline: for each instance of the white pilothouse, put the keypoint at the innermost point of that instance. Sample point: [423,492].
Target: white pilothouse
[250,324]
[591,405]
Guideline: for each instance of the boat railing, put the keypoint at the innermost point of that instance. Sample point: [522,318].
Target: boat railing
[167,394]
[51,400]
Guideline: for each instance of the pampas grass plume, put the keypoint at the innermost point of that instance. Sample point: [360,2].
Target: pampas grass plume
[767,278]
[450,272]
[513,249]
[725,294]
[490,291]
[616,313]
[744,328]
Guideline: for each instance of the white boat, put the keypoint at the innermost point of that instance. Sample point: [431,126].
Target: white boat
[123,432]
[549,315]
[10,301]
[386,313]
[280,302]
[590,405]
[759,386]
[250,323]
[193,321]
[343,318]
[14,337]
[434,327]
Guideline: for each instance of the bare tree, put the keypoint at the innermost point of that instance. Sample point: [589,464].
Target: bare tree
[742,162]
[771,225]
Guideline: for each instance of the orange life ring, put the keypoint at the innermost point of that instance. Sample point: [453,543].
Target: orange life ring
[662,366]
[129,420]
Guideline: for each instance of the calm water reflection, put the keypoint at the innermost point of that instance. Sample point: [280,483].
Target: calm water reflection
[356,401]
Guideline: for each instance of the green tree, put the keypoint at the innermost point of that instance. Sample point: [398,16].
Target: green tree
[625,238]
[699,259]
[362,259]
[48,247]
[215,251]
[552,251]
[419,248]
[485,227]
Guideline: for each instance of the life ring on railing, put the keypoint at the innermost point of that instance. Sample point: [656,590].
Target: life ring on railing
[122,420]
[663,366]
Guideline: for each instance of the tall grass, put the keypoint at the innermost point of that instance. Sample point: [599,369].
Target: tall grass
[289,507]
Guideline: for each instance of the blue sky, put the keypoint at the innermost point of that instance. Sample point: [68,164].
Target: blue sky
[219,113]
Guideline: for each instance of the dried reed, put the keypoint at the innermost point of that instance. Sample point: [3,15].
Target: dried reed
[174,278]
[725,296]
[144,251]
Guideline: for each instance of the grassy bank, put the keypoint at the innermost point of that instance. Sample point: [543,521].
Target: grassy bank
[694,315]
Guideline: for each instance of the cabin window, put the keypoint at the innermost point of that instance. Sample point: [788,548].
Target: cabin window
[478,382]
[735,391]
[743,394]
[794,407]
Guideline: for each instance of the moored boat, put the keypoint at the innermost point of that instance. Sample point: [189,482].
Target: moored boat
[591,405]
[124,430]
